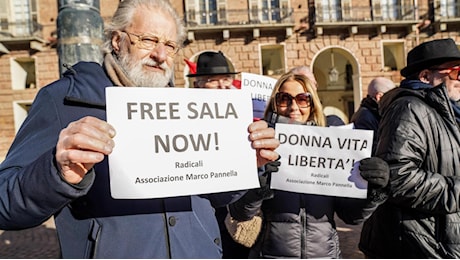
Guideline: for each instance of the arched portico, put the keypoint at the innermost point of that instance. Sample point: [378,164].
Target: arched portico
[337,72]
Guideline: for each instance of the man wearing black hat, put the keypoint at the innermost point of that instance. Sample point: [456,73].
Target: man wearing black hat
[212,71]
[419,137]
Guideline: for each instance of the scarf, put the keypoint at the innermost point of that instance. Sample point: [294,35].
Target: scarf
[416,84]
[115,72]
[456,108]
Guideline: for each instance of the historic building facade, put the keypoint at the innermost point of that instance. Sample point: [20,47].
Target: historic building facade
[345,42]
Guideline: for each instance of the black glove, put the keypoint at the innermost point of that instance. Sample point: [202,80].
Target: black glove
[247,206]
[264,192]
[270,167]
[375,171]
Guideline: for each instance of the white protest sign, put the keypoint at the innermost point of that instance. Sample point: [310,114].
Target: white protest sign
[320,160]
[176,141]
[347,126]
[260,86]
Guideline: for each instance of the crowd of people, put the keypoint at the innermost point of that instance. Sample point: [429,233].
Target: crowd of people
[58,162]
[58,166]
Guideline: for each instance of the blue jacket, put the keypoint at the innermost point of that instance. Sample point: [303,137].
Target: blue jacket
[89,222]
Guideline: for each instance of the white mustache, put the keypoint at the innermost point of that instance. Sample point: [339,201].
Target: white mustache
[152,63]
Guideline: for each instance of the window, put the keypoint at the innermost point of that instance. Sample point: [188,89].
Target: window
[20,112]
[191,14]
[254,14]
[23,73]
[393,55]
[267,11]
[376,10]
[408,10]
[346,10]
[285,12]
[329,10]
[222,15]
[273,59]
[23,17]
[4,15]
[207,12]
[447,8]
[385,9]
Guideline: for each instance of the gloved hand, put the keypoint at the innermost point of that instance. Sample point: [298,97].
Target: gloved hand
[270,167]
[375,171]
[247,206]
[264,192]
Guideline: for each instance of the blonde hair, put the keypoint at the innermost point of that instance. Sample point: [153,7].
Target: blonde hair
[316,114]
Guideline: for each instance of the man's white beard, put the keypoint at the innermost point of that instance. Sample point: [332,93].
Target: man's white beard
[142,78]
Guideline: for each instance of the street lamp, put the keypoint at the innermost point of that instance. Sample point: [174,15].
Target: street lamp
[333,72]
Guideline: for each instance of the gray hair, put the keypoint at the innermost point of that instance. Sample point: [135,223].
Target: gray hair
[125,12]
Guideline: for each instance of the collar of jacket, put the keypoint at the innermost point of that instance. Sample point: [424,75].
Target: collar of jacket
[414,84]
[87,83]
[434,96]
[370,103]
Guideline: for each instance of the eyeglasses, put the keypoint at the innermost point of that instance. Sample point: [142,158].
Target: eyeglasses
[215,82]
[150,42]
[283,99]
[453,72]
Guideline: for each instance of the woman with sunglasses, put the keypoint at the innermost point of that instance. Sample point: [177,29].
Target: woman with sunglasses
[294,97]
[297,225]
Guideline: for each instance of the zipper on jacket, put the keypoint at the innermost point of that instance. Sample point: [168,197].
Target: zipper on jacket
[303,238]
[94,244]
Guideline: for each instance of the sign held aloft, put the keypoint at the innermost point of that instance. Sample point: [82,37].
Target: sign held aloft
[175,142]
[321,160]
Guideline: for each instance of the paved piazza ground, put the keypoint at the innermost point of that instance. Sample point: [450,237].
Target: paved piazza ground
[41,242]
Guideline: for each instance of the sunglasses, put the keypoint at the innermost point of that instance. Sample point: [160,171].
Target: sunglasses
[453,73]
[283,99]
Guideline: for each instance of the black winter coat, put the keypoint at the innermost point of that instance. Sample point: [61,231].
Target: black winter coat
[420,140]
[299,225]
[367,117]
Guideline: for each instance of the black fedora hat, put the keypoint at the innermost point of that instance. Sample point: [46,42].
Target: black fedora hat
[429,54]
[211,63]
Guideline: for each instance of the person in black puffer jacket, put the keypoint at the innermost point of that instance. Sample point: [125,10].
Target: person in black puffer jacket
[420,139]
[297,225]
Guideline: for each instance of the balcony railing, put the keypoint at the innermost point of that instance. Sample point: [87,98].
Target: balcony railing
[446,10]
[24,28]
[263,16]
[387,13]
